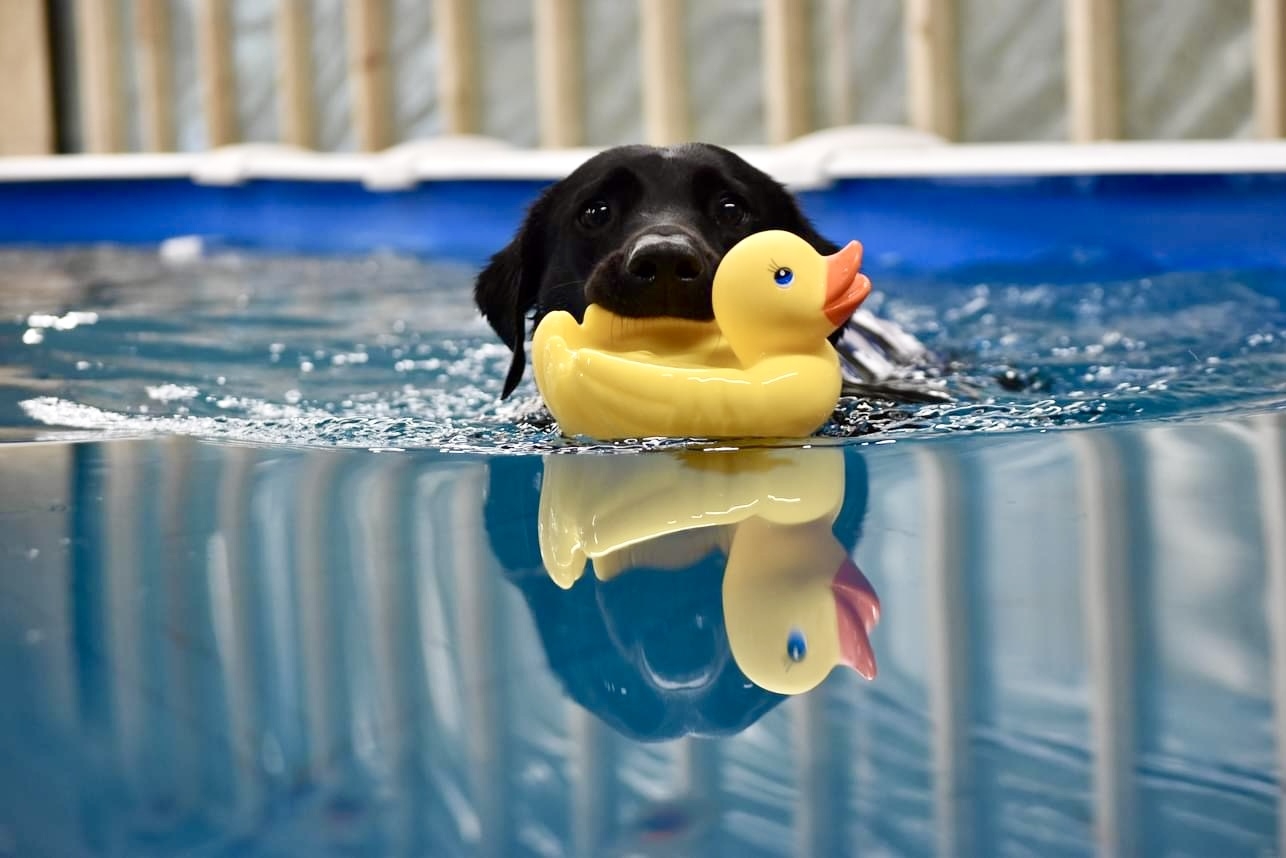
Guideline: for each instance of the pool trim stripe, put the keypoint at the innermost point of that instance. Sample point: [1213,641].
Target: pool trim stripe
[813,162]
[1059,212]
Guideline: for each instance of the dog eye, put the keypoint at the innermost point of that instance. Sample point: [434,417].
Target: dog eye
[783,276]
[595,215]
[730,210]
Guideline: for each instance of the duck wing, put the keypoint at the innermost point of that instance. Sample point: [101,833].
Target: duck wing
[608,396]
[788,396]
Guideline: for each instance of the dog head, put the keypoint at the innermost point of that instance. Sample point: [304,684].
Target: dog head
[638,230]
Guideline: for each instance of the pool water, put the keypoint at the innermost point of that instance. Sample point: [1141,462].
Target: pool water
[279,576]
[390,352]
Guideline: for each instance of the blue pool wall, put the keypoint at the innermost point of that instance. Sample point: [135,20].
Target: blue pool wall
[1126,223]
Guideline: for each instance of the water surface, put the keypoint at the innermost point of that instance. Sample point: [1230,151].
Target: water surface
[390,352]
[284,578]
[214,648]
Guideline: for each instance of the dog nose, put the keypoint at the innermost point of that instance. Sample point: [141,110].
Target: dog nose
[664,256]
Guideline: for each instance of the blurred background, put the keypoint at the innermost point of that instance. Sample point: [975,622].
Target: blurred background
[345,75]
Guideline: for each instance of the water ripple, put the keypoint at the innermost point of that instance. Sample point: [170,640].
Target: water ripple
[390,353]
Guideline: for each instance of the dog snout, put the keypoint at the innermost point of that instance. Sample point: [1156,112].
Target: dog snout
[660,256]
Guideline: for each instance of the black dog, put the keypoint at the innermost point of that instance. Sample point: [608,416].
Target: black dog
[640,230]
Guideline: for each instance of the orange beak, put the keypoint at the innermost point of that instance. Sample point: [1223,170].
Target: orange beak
[846,286]
[857,609]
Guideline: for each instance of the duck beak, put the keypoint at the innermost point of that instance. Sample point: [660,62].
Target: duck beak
[846,285]
[857,610]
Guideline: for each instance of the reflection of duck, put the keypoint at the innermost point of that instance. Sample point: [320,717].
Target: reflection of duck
[763,368]
[597,506]
[794,604]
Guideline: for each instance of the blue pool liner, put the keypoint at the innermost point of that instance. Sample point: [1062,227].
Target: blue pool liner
[1128,222]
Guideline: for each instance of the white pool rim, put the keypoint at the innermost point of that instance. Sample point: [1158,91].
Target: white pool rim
[815,161]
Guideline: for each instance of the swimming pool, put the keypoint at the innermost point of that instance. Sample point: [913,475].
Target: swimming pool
[279,576]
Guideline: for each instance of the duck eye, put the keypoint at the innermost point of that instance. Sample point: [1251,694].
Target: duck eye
[783,276]
[595,215]
[730,210]
[796,645]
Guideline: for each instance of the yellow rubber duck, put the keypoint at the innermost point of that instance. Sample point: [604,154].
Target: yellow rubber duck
[762,368]
[794,603]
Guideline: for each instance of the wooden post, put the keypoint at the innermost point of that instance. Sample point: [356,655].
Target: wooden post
[1270,456]
[839,88]
[931,67]
[98,39]
[788,78]
[217,73]
[1270,68]
[125,657]
[155,67]
[1093,70]
[666,118]
[233,612]
[368,72]
[453,25]
[485,652]
[591,752]
[26,112]
[295,112]
[945,535]
[318,482]
[818,773]
[559,71]
[1105,541]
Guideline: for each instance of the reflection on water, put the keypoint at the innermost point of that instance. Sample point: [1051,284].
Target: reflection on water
[793,603]
[209,648]
[718,585]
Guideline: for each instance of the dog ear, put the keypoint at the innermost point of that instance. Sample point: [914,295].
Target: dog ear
[805,230]
[506,290]
[790,217]
[501,295]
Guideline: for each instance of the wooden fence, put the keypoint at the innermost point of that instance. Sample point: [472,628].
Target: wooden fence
[27,113]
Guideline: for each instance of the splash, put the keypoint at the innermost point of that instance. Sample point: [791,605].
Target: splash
[389,353]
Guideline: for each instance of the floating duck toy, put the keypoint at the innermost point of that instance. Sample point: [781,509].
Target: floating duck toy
[794,603]
[762,368]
